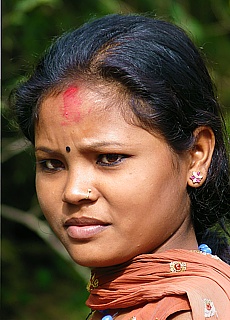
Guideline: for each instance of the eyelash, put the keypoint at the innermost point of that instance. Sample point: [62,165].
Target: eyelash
[120,157]
[45,167]
[44,164]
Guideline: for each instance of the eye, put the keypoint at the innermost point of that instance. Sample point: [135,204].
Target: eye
[110,159]
[51,165]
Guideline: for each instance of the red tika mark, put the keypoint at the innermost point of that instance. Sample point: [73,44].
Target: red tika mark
[71,105]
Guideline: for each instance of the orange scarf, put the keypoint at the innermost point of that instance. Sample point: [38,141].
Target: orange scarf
[158,285]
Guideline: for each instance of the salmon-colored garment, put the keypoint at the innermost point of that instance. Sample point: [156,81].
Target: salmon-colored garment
[161,284]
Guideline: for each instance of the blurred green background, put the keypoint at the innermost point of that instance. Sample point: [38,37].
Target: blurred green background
[38,279]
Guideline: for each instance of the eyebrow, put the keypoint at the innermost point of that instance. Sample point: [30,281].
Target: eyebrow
[98,144]
[46,150]
[89,145]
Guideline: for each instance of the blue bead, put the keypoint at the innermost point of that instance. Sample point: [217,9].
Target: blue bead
[204,248]
[108,317]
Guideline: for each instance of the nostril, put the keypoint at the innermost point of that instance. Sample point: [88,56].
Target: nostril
[75,196]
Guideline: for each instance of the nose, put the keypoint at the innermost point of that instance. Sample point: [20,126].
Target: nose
[79,187]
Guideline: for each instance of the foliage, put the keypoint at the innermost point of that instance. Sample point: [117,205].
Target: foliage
[39,282]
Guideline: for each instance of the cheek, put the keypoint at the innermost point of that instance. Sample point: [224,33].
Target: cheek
[151,199]
[46,198]
[50,212]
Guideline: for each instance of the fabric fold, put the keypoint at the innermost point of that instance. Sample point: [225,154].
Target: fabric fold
[192,280]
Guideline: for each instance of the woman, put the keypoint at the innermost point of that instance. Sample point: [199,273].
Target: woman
[132,171]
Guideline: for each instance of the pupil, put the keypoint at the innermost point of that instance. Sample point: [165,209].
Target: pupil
[112,157]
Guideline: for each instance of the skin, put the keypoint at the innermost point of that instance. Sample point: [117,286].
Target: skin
[71,103]
[138,195]
[138,185]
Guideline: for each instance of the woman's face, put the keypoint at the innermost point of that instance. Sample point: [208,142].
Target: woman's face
[138,201]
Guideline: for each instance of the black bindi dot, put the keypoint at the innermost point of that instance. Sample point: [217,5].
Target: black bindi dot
[67,149]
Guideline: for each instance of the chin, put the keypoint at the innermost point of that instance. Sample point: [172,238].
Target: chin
[91,263]
[93,258]
[94,262]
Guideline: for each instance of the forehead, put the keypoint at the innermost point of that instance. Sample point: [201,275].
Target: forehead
[79,100]
[82,115]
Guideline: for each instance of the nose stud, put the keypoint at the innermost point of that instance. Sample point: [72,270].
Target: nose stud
[88,194]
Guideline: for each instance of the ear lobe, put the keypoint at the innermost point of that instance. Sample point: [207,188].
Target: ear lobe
[201,156]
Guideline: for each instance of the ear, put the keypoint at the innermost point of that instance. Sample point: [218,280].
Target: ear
[201,156]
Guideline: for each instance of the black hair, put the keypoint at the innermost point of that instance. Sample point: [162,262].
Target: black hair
[170,91]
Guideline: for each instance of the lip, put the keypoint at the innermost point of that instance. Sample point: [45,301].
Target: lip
[84,228]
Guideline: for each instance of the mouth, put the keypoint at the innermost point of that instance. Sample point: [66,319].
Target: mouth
[84,227]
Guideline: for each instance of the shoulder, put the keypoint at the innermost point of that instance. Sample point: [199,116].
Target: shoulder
[185,315]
